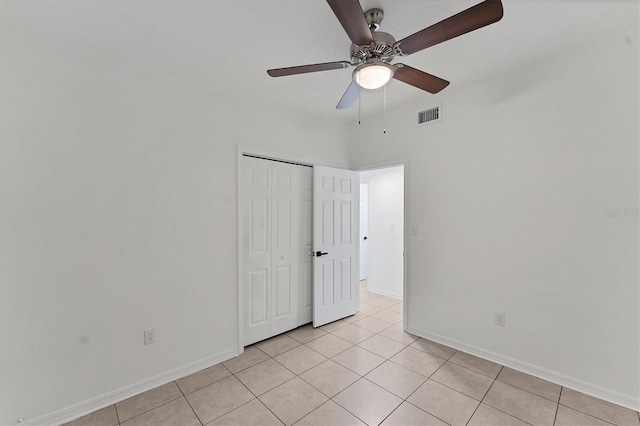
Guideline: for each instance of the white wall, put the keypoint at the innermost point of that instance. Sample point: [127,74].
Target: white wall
[509,194]
[118,213]
[386,230]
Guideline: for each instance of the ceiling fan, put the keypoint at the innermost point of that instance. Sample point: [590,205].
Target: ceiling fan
[372,51]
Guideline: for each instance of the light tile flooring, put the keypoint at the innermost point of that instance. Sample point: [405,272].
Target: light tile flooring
[360,370]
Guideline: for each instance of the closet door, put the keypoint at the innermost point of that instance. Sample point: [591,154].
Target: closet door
[276,246]
[305,291]
[285,259]
[256,245]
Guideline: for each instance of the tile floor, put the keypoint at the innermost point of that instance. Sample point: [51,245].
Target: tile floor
[360,370]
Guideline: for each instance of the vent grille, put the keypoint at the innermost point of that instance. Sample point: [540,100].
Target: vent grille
[429,115]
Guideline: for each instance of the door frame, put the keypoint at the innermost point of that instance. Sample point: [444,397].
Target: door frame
[241,151]
[385,165]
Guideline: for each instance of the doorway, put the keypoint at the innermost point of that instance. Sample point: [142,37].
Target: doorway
[382,232]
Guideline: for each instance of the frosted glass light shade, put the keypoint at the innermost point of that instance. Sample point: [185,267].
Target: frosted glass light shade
[373,75]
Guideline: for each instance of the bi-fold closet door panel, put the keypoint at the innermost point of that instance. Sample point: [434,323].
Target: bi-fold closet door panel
[285,254]
[305,292]
[256,248]
[274,266]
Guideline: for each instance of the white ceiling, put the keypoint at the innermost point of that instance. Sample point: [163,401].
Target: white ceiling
[229,44]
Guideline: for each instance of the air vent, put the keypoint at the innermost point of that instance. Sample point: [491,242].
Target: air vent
[429,115]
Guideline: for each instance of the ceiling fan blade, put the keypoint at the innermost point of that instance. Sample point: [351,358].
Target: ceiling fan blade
[478,16]
[302,69]
[419,79]
[349,96]
[351,16]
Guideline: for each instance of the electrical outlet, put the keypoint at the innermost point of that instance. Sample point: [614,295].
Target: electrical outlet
[499,319]
[149,336]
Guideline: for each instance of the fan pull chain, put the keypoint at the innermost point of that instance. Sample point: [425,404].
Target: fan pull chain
[384,107]
[359,91]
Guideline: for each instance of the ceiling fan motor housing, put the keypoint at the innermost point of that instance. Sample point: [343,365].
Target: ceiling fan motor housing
[381,49]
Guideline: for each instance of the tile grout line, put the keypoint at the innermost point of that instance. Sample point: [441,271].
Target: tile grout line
[329,397]
[245,386]
[555,418]
[254,395]
[352,345]
[397,363]
[117,416]
[347,368]
[432,415]
[461,393]
[437,356]
[421,409]
[297,347]
[591,415]
[185,397]
[347,410]
[559,403]
[405,400]
[151,409]
[360,377]
[427,379]
[502,411]
[486,375]
[296,375]
[318,390]
[393,411]
[529,392]
[485,394]
[329,359]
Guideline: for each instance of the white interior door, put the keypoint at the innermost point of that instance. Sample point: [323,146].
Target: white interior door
[271,245]
[336,244]
[285,255]
[364,230]
[305,289]
[257,249]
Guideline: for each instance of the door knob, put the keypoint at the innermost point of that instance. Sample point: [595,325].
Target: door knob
[319,253]
[365,238]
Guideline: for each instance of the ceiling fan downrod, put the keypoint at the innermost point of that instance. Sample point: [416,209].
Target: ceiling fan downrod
[374,18]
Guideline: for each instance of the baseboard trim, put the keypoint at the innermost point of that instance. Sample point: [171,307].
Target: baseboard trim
[561,379]
[83,408]
[385,293]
